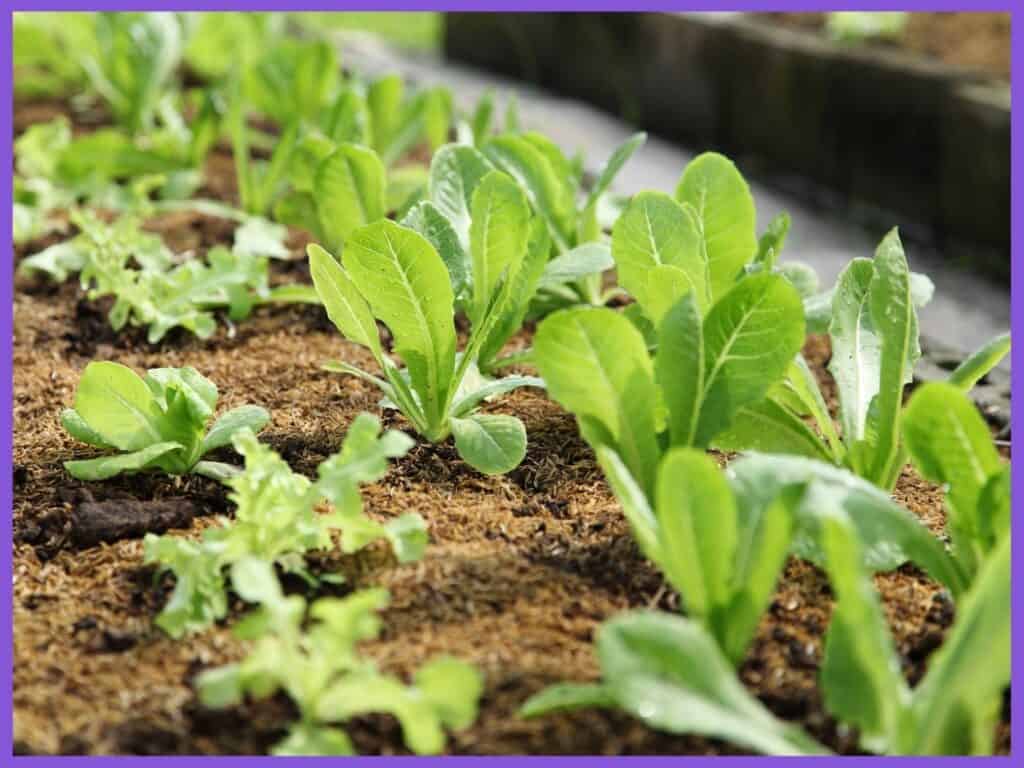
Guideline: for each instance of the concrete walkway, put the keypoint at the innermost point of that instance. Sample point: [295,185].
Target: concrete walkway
[967,309]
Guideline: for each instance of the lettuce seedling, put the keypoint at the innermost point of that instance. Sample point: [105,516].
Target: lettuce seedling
[875,346]
[955,708]
[670,673]
[596,364]
[721,538]
[552,184]
[949,443]
[136,57]
[158,422]
[276,520]
[138,271]
[392,273]
[317,664]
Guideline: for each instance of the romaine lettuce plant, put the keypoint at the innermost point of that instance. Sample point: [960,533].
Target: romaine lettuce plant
[706,368]
[721,538]
[157,423]
[392,273]
[669,671]
[277,521]
[136,57]
[552,183]
[874,334]
[317,664]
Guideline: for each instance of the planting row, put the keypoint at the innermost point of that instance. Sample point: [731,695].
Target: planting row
[437,237]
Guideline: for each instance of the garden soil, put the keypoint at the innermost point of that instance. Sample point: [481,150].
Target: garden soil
[520,571]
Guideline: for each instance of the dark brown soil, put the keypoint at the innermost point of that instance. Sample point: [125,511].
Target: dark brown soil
[520,570]
[979,41]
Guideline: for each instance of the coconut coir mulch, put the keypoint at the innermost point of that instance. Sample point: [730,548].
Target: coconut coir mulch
[520,571]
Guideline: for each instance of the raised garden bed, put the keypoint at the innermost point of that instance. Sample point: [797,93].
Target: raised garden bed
[520,570]
[883,126]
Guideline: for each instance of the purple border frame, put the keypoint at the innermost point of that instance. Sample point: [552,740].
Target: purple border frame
[6,325]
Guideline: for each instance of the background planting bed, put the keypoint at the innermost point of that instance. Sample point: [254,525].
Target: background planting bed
[883,127]
[519,572]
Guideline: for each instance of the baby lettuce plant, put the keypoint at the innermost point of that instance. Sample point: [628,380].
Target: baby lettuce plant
[552,184]
[706,368]
[394,274]
[950,444]
[277,522]
[135,60]
[721,538]
[159,422]
[316,662]
[447,217]
[954,709]
[333,190]
[670,673]
[149,289]
[875,346]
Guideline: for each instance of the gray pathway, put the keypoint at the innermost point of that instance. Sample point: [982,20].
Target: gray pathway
[967,310]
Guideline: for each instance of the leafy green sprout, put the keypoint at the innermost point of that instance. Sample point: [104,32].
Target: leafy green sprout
[321,670]
[394,274]
[669,672]
[278,520]
[156,423]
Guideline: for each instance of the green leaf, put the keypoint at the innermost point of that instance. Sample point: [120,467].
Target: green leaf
[750,337]
[769,427]
[498,235]
[894,317]
[408,537]
[118,406]
[860,675]
[350,192]
[490,443]
[769,246]
[670,673]
[471,399]
[764,543]
[889,534]
[581,261]
[521,291]
[725,214]
[856,348]
[251,416]
[304,740]
[78,429]
[957,705]
[453,689]
[345,306]
[384,100]
[455,171]
[108,466]
[255,582]
[950,444]
[407,286]
[697,520]
[655,230]
[528,165]
[427,219]
[220,687]
[974,368]
[679,367]
[612,166]
[566,697]
[595,364]
[642,519]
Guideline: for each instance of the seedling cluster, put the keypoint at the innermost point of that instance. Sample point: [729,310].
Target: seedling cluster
[434,265]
